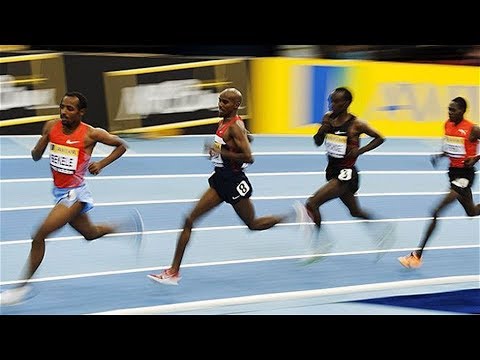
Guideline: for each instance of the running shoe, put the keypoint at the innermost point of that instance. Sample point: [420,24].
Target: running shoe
[166,277]
[138,229]
[411,261]
[15,296]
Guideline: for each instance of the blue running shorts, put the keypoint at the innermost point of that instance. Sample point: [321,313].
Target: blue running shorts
[68,196]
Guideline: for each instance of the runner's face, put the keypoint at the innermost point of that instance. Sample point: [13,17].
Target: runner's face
[337,102]
[455,112]
[226,104]
[69,112]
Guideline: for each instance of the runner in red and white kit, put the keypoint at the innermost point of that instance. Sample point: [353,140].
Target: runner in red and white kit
[230,153]
[460,146]
[340,132]
[71,145]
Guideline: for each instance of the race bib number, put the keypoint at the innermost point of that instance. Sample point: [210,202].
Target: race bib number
[454,146]
[217,145]
[336,145]
[461,182]
[243,188]
[345,174]
[63,158]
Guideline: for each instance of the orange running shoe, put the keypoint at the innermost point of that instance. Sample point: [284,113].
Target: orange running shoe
[411,261]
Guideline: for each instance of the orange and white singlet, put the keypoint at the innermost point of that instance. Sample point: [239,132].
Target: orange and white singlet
[456,144]
[68,159]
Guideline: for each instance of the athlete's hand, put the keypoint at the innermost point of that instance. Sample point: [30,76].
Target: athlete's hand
[213,149]
[469,162]
[94,168]
[353,153]
[208,149]
[434,160]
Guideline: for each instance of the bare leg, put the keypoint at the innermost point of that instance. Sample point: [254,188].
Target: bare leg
[381,234]
[57,218]
[207,202]
[331,190]
[467,202]
[246,211]
[447,200]
[90,231]
[353,206]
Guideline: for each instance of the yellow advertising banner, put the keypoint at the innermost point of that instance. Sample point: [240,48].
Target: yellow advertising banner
[290,96]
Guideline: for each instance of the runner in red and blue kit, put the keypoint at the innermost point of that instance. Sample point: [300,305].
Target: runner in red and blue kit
[69,161]
[71,143]
[230,153]
[460,145]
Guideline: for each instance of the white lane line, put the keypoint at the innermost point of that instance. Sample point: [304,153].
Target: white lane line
[236,227]
[258,153]
[232,262]
[253,174]
[256,198]
[286,296]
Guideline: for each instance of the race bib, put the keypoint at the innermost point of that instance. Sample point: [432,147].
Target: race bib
[336,145]
[243,188]
[63,158]
[454,146]
[345,174]
[217,158]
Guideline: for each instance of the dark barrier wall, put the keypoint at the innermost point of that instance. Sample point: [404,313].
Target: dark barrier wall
[177,97]
[30,85]
[50,78]
[84,73]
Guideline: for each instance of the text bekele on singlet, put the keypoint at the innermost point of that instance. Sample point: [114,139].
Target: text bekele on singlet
[337,144]
[217,159]
[456,144]
[68,159]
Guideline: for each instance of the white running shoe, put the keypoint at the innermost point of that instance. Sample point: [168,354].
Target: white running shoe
[139,228]
[319,244]
[166,277]
[14,296]
[387,240]
[317,241]
[383,237]
[303,219]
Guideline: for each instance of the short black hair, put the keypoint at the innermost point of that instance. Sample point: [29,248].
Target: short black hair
[347,94]
[460,101]
[82,100]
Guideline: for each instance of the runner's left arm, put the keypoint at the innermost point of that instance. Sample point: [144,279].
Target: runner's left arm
[102,136]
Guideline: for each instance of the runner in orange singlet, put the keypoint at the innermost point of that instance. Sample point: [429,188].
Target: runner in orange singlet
[460,146]
[71,145]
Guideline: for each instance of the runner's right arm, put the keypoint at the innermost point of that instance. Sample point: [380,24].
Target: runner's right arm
[42,143]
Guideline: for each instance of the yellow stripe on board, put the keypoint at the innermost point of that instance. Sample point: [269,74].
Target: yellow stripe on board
[173,67]
[182,124]
[27,120]
[9,59]
[13,47]
[176,125]
[211,84]
[25,81]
